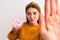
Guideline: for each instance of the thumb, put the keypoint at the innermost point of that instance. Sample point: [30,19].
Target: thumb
[42,23]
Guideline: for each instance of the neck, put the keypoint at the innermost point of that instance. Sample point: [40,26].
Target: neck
[33,24]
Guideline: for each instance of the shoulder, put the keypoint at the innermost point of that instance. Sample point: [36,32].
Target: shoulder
[25,24]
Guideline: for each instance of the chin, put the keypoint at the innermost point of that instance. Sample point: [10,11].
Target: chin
[32,22]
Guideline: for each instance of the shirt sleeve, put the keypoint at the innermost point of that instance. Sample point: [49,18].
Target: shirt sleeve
[13,35]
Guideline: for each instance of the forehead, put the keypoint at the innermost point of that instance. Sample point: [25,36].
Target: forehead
[32,10]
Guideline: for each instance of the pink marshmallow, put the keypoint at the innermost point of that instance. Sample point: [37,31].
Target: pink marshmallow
[17,23]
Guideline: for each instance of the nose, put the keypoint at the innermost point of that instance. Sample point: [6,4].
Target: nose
[32,15]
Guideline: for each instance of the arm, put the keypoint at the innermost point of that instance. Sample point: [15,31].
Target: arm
[12,35]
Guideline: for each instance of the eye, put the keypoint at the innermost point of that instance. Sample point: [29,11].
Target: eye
[28,13]
[34,13]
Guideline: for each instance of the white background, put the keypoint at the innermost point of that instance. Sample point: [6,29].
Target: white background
[12,9]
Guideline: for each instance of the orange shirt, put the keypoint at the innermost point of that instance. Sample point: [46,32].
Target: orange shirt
[26,32]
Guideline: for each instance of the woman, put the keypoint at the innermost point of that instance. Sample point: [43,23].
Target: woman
[30,29]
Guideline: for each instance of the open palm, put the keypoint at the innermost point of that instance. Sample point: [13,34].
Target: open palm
[50,24]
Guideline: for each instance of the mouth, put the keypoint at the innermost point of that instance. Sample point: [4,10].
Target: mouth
[32,20]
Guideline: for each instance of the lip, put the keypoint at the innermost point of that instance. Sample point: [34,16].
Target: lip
[32,20]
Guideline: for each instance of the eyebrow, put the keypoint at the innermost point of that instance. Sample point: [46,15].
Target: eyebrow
[32,12]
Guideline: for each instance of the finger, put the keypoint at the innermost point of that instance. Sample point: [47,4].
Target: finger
[47,8]
[58,6]
[42,24]
[49,23]
[53,7]
[50,28]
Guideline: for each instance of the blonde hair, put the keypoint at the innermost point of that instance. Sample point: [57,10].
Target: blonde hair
[33,5]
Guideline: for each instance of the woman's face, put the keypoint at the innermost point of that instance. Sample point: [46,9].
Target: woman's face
[32,15]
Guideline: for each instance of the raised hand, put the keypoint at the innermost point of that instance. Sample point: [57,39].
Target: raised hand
[50,24]
[17,23]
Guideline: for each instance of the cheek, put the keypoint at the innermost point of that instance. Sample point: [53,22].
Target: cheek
[28,17]
[37,17]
